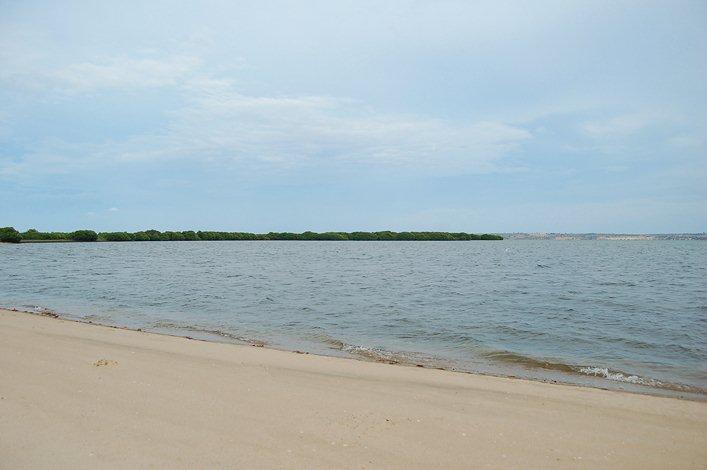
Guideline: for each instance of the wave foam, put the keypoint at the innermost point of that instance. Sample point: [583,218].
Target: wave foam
[619,376]
[593,371]
[375,354]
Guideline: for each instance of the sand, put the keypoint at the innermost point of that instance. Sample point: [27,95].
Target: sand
[75,395]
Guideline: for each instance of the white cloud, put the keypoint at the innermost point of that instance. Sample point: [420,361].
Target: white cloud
[27,69]
[126,73]
[227,128]
[620,126]
[221,124]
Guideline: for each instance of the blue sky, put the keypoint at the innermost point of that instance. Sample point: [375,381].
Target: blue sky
[405,115]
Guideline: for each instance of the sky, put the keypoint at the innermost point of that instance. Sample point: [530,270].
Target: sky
[473,116]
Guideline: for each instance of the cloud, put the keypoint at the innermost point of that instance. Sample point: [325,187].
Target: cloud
[621,126]
[35,72]
[221,124]
[124,72]
[217,123]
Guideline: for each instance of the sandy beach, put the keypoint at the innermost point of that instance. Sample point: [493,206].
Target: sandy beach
[75,395]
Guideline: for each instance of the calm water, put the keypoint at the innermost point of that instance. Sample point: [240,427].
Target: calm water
[621,314]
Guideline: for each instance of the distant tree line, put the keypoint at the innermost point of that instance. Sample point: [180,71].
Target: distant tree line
[34,235]
[9,234]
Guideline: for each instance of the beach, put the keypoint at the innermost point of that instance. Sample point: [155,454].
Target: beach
[75,395]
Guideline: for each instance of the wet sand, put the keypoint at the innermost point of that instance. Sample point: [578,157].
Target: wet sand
[75,395]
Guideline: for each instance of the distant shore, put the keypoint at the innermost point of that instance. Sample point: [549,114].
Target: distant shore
[11,235]
[99,396]
[565,236]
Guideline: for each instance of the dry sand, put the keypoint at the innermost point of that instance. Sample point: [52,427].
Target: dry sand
[74,395]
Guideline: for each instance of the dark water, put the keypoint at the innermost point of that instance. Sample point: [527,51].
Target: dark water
[626,314]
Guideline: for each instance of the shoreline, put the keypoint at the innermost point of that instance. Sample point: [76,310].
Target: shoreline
[677,391]
[113,397]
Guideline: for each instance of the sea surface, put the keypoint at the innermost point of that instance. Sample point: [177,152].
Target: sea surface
[614,314]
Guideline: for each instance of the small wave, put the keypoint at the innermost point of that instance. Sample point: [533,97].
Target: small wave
[362,351]
[375,354]
[95,318]
[617,283]
[620,376]
[592,371]
[38,310]
[529,362]
[35,308]
[332,343]
[208,331]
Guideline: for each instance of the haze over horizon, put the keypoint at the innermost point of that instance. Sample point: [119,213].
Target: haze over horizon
[342,116]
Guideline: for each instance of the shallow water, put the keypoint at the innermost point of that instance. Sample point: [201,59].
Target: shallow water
[620,314]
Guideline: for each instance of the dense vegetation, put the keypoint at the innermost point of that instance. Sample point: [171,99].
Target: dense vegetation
[84,236]
[77,236]
[9,234]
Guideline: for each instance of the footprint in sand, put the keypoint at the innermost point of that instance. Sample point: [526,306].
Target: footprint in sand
[105,362]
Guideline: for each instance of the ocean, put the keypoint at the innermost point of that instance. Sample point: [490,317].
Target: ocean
[628,315]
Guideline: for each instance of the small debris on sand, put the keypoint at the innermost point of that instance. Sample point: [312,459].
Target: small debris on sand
[48,313]
[105,362]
